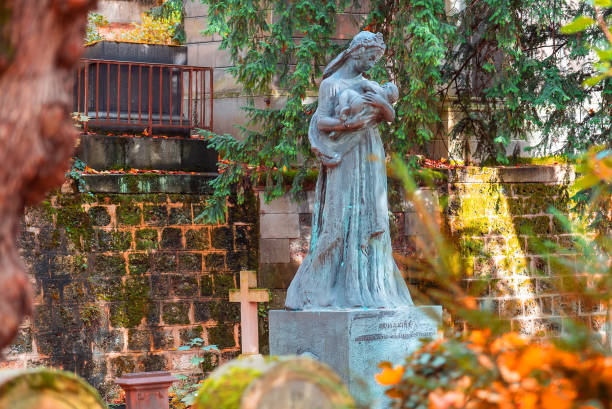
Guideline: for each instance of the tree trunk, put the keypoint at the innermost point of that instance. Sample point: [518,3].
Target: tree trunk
[255,382]
[46,389]
[40,45]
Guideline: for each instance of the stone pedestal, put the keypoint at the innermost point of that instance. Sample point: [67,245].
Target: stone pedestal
[353,342]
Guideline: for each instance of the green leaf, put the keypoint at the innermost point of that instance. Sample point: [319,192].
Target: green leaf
[184,348]
[602,3]
[589,82]
[604,55]
[579,24]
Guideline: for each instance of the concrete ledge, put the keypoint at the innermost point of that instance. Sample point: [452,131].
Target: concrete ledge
[149,183]
[113,152]
[519,174]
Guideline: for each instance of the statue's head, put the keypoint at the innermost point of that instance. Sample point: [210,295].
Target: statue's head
[365,50]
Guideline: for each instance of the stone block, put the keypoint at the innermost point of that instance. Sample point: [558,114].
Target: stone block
[172,238]
[146,239]
[130,215]
[307,206]
[164,261]
[139,340]
[190,262]
[214,261]
[354,342]
[154,215]
[284,204]
[222,336]
[225,82]
[184,286]
[245,237]
[99,216]
[222,238]
[277,275]
[175,313]
[279,226]
[274,251]
[197,239]
[205,285]
[139,263]
[180,215]
[195,8]
[193,29]
[223,283]
[152,363]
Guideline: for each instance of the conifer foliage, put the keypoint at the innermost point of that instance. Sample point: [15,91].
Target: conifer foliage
[503,67]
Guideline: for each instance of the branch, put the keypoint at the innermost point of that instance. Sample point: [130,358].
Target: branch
[603,25]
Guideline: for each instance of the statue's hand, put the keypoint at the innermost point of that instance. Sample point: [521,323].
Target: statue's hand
[360,120]
[374,100]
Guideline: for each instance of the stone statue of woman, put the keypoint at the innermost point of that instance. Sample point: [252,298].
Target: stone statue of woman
[350,262]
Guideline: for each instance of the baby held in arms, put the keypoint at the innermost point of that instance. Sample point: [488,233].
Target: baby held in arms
[357,100]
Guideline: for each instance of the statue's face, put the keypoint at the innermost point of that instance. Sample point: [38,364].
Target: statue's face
[367,58]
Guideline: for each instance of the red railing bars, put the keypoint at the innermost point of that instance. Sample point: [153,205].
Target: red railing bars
[178,102]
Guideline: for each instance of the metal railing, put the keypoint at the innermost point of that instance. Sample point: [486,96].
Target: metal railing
[133,94]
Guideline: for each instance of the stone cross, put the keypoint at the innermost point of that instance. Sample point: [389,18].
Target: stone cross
[248,296]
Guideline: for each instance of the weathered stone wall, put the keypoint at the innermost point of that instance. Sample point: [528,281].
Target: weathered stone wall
[496,215]
[501,217]
[123,279]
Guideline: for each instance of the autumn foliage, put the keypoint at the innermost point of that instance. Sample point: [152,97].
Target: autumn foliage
[481,371]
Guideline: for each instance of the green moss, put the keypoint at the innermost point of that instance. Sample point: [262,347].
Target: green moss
[175,313]
[77,224]
[128,214]
[139,263]
[225,392]
[146,239]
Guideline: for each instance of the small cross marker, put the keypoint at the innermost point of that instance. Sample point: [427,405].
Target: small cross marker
[248,296]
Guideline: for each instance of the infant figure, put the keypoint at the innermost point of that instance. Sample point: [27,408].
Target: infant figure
[351,101]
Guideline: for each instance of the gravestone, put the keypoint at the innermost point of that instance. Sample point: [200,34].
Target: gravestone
[354,341]
[348,304]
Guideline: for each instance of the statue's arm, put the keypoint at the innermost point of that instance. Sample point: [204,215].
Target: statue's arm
[377,101]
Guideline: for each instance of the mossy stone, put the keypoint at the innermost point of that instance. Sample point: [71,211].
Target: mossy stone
[180,215]
[214,261]
[109,266]
[165,261]
[206,286]
[197,239]
[222,335]
[171,238]
[146,239]
[184,286]
[175,313]
[99,216]
[190,262]
[139,263]
[190,333]
[222,238]
[223,283]
[129,215]
[122,365]
[155,215]
[114,240]
[139,340]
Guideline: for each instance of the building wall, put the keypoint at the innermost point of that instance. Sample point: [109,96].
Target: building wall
[228,96]
[496,215]
[122,279]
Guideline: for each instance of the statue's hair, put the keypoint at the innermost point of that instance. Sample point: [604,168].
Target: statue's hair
[365,39]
